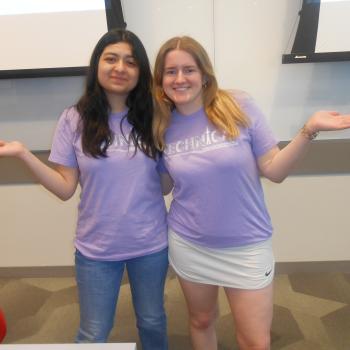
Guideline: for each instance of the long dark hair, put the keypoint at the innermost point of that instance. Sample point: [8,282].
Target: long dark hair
[94,108]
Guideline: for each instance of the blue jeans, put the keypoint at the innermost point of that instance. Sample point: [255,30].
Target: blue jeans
[98,286]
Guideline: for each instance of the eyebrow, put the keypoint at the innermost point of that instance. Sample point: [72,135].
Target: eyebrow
[185,66]
[117,55]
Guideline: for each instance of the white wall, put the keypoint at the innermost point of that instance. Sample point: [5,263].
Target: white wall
[310,215]
[37,229]
[246,39]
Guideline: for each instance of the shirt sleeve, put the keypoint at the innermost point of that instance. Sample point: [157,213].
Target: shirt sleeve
[262,137]
[62,150]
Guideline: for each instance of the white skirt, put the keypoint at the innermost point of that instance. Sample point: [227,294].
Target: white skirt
[245,267]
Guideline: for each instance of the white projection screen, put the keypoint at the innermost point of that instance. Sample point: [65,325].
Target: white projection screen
[323,33]
[52,37]
[333,32]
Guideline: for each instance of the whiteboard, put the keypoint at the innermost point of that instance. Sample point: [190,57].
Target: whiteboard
[333,32]
[39,34]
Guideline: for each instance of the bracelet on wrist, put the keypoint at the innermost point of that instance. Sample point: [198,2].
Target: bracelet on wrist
[308,134]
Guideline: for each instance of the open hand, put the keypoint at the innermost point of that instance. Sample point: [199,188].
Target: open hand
[327,121]
[11,149]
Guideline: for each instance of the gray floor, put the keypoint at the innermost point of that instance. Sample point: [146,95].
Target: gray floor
[311,312]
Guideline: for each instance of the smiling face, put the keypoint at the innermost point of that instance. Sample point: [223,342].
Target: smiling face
[118,71]
[182,81]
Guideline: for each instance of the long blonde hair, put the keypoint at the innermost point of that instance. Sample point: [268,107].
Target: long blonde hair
[220,107]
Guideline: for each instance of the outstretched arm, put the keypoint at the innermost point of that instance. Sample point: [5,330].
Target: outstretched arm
[61,181]
[276,164]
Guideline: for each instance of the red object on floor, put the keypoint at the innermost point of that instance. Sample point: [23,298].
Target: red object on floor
[2,326]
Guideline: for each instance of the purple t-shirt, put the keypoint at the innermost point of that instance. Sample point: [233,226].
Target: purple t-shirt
[218,199]
[121,211]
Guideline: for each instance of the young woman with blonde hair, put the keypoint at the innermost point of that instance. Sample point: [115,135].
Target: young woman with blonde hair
[215,146]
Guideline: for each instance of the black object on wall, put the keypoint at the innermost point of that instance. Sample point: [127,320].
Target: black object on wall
[304,46]
[114,14]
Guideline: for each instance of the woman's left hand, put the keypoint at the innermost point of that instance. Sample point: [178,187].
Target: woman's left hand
[327,121]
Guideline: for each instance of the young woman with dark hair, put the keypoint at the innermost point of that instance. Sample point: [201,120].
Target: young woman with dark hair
[105,144]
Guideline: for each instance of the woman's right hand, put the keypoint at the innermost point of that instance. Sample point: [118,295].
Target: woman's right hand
[11,149]
[60,180]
